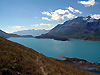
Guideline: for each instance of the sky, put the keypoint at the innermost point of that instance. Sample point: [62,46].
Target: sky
[17,15]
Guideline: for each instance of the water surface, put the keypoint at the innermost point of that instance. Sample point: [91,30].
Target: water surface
[89,50]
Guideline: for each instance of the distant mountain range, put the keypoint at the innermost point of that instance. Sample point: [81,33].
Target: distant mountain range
[32,32]
[85,28]
[6,35]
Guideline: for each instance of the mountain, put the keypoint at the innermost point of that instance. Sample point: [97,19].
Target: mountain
[16,59]
[3,34]
[85,28]
[32,32]
[6,35]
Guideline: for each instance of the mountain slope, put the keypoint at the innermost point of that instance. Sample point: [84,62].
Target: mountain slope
[32,32]
[17,59]
[3,34]
[80,28]
[6,35]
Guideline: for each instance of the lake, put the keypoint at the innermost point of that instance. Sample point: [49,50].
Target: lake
[89,50]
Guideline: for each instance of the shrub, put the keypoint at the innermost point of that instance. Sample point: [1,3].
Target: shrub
[6,71]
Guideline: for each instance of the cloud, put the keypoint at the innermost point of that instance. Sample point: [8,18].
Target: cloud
[58,15]
[87,3]
[45,18]
[74,10]
[69,15]
[96,16]
[46,13]
[61,14]
[42,24]
[15,27]
[35,17]
[35,25]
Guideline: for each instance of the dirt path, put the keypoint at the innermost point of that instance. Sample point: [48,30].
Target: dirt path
[37,59]
[42,69]
[44,73]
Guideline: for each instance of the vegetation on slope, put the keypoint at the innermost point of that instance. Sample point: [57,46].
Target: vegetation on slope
[77,28]
[16,59]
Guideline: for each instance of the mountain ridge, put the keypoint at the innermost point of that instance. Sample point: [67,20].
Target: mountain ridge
[85,28]
[7,35]
[32,32]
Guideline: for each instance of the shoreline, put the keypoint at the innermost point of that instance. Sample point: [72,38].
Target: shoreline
[89,40]
[82,64]
[67,39]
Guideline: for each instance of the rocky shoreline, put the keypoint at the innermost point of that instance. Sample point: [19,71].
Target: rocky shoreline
[82,64]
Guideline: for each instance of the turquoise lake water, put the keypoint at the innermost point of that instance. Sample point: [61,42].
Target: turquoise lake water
[89,50]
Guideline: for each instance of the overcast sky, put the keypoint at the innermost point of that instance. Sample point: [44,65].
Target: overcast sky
[16,15]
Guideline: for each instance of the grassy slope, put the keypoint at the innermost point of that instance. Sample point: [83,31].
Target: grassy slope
[17,59]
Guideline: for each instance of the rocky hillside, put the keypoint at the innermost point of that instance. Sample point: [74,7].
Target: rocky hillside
[82,64]
[16,59]
[80,28]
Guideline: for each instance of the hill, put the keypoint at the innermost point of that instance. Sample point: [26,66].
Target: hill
[6,35]
[80,28]
[16,59]
[32,32]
